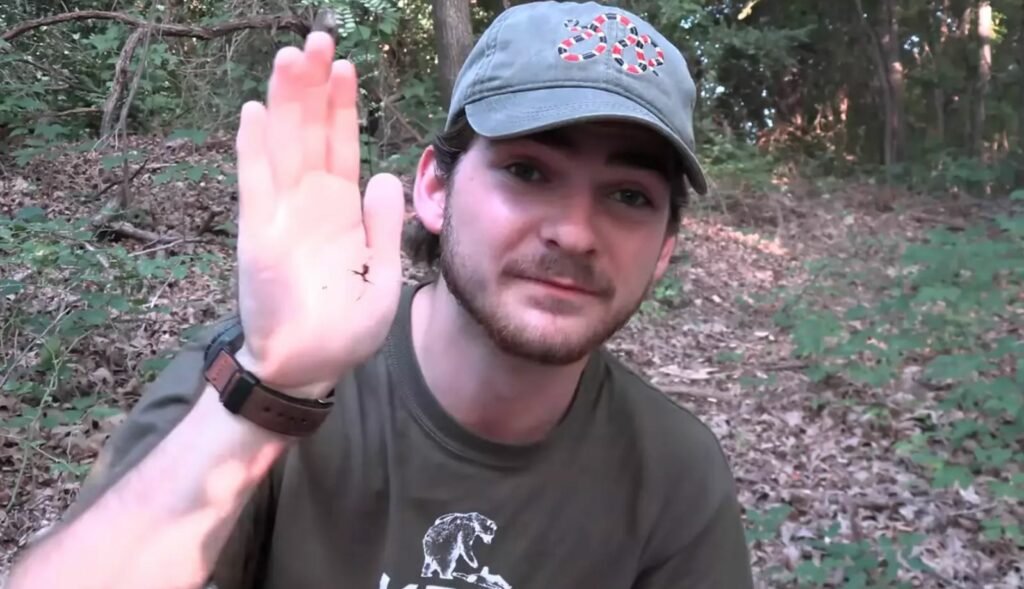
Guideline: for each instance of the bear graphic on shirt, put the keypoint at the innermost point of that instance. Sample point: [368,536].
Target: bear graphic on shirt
[447,544]
[451,538]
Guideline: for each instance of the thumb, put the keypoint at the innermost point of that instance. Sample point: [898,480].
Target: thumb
[383,218]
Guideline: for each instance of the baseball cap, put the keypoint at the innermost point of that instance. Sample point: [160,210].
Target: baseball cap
[547,64]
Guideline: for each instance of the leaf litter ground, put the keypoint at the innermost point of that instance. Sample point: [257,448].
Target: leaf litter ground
[708,340]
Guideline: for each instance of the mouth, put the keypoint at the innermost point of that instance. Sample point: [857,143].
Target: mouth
[562,285]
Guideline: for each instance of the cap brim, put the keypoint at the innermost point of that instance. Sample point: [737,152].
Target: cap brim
[519,113]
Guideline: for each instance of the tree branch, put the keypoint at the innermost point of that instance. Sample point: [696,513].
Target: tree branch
[126,229]
[281,21]
[120,78]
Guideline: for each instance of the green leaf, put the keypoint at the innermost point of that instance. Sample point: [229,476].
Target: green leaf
[17,422]
[728,357]
[1013,532]
[857,313]
[941,293]
[153,365]
[50,132]
[95,316]
[955,367]
[926,459]
[195,173]
[994,457]
[993,529]
[811,333]
[83,402]
[118,303]
[962,429]
[31,214]
[51,420]
[1007,490]
[73,415]
[75,468]
[808,571]
[118,159]
[950,474]
[874,376]
[858,580]
[1017,194]
[817,372]
[12,287]
[166,175]
[103,412]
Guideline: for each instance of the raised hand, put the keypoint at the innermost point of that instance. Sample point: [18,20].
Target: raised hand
[319,267]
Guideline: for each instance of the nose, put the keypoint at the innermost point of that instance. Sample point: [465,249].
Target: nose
[570,222]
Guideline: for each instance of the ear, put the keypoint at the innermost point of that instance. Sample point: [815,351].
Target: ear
[664,257]
[428,193]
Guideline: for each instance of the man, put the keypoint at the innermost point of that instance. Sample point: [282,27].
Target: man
[467,432]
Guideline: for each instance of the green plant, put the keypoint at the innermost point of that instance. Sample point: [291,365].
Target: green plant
[952,304]
[764,525]
[59,296]
[827,560]
[859,564]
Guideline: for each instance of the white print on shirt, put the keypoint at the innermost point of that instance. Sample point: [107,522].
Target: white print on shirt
[451,539]
[485,579]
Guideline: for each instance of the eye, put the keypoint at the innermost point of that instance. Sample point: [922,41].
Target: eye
[524,172]
[631,198]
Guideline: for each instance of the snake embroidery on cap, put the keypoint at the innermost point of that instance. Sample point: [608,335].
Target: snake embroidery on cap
[633,39]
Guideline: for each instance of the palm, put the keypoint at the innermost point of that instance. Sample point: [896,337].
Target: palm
[319,269]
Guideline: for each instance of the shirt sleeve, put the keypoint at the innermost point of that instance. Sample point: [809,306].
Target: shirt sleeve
[163,404]
[698,540]
[716,557]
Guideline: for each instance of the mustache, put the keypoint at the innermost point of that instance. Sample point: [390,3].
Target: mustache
[554,265]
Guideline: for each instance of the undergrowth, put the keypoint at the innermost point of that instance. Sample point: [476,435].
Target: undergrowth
[949,312]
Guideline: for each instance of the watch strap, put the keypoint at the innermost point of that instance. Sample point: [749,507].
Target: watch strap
[242,393]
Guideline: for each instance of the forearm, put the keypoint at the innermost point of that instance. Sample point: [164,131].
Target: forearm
[165,522]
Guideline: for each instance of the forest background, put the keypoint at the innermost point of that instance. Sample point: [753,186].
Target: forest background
[845,309]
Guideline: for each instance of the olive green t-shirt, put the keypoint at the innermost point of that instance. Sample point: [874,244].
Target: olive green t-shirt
[628,491]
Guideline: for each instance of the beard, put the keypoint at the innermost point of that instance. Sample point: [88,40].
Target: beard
[469,289]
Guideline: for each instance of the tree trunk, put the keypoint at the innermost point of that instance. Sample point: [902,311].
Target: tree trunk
[877,51]
[453,34]
[894,72]
[939,56]
[124,60]
[1020,115]
[984,74]
[968,98]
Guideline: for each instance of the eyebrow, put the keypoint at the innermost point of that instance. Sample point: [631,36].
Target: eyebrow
[631,158]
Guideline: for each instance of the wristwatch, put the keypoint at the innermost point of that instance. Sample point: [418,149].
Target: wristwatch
[242,393]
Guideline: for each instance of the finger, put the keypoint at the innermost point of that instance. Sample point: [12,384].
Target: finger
[284,117]
[255,178]
[383,217]
[343,142]
[319,51]
[316,72]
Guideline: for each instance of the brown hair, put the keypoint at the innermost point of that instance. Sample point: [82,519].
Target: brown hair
[424,247]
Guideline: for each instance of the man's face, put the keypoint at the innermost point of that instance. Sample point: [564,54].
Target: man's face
[552,241]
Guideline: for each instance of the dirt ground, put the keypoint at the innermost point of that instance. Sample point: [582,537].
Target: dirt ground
[712,346]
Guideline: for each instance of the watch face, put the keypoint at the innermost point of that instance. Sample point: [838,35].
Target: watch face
[230,337]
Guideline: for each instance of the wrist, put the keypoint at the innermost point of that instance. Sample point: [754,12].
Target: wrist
[246,360]
[247,387]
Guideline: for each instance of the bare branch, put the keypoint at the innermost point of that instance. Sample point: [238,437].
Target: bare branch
[280,21]
[125,229]
[120,78]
